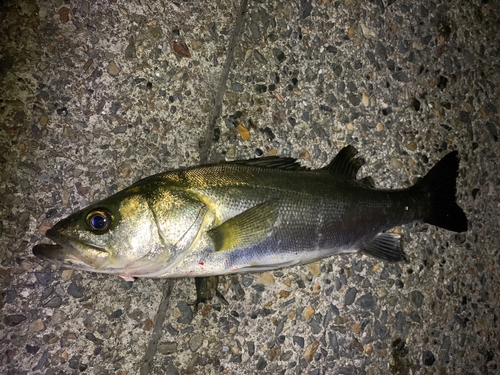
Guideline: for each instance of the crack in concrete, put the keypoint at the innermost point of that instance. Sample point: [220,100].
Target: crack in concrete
[157,329]
[205,157]
[205,154]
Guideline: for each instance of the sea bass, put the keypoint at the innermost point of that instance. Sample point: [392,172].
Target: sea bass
[252,215]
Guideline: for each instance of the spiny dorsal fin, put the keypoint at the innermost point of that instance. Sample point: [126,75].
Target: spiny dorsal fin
[247,228]
[345,163]
[274,162]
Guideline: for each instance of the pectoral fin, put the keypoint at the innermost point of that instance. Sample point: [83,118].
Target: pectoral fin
[247,228]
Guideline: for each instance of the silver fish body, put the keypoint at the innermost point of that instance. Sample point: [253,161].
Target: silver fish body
[255,215]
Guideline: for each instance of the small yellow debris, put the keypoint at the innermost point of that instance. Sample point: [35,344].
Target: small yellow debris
[66,275]
[291,315]
[283,293]
[272,152]
[365,99]
[412,146]
[266,279]
[113,68]
[376,267]
[303,154]
[64,355]
[366,30]
[350,126]
[176,314]
[315,268]
[233,330]
[148,324]
[278,96]
[380,127]
[88,64]
[235,350]
[244,133]
[196,45]
[368,349]
[206,309]
[356,327]
[316,290]
[310,350]
[44,120]
[382,292]
[64,14]
[308,312]
[53,340]
[248,53]
[37,326]
[350,32]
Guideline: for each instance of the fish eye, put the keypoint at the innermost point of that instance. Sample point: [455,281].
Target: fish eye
[99,220]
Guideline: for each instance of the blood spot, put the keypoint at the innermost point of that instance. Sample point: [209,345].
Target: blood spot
[201,264]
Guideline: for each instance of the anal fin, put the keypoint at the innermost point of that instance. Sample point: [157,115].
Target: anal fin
[265,268]
[386,246]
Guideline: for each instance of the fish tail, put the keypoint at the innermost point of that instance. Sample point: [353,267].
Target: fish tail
[440,187]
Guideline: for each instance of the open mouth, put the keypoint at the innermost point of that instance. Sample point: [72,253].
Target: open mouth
[63,252]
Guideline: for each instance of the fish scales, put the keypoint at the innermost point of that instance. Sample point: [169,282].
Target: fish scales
[317,215]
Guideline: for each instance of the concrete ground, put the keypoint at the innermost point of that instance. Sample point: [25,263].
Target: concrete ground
[97,94]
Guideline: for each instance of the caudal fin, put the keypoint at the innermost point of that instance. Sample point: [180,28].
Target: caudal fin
[441,187]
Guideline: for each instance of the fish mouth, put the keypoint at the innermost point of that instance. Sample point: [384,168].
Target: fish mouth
[64,253]
[50,252]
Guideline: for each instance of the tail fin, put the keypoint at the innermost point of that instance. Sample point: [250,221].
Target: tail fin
[440,186]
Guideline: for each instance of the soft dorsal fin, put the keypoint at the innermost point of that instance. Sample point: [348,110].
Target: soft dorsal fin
[345,163]
[274,162]
[368,181]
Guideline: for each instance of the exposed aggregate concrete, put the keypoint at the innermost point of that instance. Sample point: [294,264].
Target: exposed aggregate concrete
[96,95]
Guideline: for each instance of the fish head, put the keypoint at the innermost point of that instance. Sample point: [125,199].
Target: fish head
[118,235]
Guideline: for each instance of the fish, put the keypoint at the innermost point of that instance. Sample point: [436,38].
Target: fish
[252,215]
